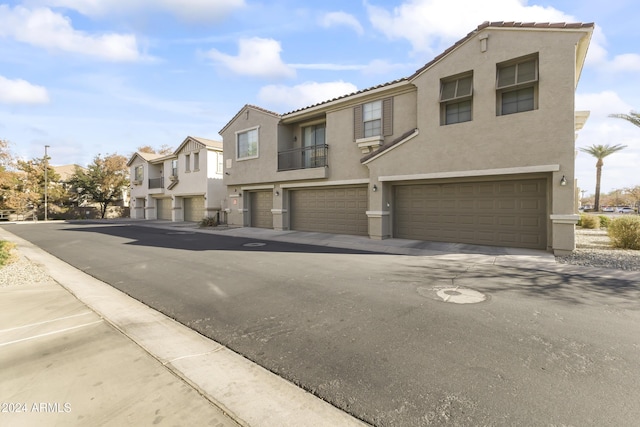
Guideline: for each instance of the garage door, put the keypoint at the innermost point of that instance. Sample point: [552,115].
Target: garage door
[260,208]
[164,208]
[330,210]
[193,208]
[497,213]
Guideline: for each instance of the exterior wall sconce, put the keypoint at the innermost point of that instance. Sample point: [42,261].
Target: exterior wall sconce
[277,193]
[563,181]
[375,188]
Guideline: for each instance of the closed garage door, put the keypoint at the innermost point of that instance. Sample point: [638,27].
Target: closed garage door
[164,208]
[193,208]
[330,210]
[497,213]
[260,207]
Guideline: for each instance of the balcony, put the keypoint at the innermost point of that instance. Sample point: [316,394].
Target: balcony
[156,183]
[303,158]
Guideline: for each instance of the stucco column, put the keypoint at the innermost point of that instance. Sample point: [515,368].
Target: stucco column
[177,213]
[379,210]
[235,210]
[279,211]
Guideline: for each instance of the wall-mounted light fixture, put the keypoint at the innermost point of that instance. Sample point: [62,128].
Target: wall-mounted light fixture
[375,188]
[277,193]
[563,181]
[227,173]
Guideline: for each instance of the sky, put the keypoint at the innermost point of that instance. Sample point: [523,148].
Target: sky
[89,77]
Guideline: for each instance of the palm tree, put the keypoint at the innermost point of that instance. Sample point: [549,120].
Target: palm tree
[600,152]
[633,117]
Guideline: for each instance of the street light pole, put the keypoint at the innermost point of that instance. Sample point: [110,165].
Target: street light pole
[46,170]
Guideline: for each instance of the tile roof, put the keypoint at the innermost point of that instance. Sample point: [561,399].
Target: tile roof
[253,107]
[385,147]
[500,24]
[484,25]
[208,142]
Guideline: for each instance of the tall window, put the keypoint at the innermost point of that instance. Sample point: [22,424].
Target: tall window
[314,140]
[138,173]
[372,118]
[517,86]
[220,163]
[174,167]
[456,100]
[187,163]
[247,144]
[196,161]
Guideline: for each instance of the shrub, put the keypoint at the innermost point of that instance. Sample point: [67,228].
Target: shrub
[589,221]
[5,252]
[604,221]
[209,221]
[625,232]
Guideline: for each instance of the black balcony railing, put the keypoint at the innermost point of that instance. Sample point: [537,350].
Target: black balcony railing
[303,158]
[156,183]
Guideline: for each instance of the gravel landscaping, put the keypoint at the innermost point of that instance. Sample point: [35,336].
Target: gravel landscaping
[593,249]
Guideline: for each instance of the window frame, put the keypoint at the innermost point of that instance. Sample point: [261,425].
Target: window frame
[187,163]
[257,143]
[525,90]
[314,154]
[138,173]
[196,161]
[174,167]
[457,100]
[375,120]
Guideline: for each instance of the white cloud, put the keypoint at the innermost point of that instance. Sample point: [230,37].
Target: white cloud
[256,57]
[333,19]
[21,92]
[46,29]
[431,25]
[188,10]
[304,94]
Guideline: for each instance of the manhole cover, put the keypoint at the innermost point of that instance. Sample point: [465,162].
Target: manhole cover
[254,244]
[453,294]
[460,295]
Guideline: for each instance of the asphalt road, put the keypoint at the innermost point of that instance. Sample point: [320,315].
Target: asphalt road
[367,333]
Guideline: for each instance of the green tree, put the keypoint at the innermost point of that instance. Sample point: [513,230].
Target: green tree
[6,173]
[28,185]
[103,182]
[600,152]
[633,117]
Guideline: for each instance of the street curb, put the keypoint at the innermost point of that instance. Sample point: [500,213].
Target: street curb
[243,390]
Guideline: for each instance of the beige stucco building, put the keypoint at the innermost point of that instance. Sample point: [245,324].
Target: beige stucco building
[477,146]
[185,185]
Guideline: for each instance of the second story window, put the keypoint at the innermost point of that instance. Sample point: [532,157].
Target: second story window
[138,175]
[373,119]
[196,161]
[187,163]
[247,144]
[517,86]
[456,99]
[174,168]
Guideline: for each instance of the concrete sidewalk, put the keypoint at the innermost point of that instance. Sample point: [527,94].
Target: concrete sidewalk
[76,351]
